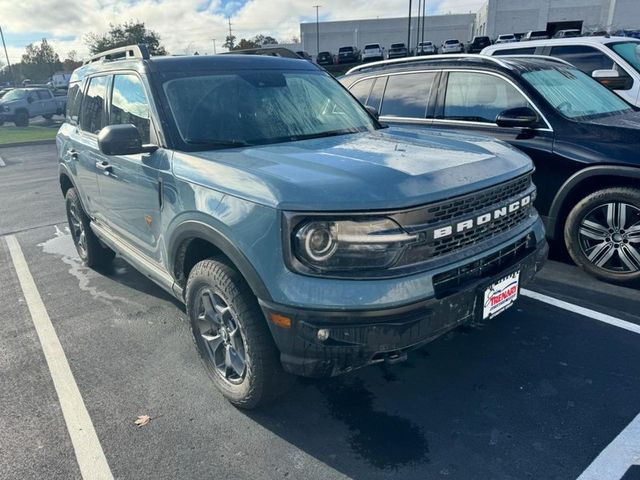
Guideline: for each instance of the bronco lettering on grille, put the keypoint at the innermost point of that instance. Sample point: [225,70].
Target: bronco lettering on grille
[485,218]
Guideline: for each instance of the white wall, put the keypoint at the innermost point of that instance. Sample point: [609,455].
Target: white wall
[334,35]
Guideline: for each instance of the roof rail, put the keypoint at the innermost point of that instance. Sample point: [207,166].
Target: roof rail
[426,58]
[269,51]
[121,53]
[541,57]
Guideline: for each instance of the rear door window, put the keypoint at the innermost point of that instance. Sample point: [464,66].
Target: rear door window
[74,100]
[93,106]
[375,97]
[44,94]
[478,97]
[129,105]
[407,95]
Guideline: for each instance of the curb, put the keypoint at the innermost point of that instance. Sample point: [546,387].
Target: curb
[27,144]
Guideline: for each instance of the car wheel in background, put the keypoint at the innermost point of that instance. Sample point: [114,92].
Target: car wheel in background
[232,336]
[602,235]
[48,117]
[89,248]
[21,119]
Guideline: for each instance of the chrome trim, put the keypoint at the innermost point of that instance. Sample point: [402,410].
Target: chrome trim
[394,61]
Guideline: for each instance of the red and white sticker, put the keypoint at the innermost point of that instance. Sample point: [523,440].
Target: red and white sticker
[501,295]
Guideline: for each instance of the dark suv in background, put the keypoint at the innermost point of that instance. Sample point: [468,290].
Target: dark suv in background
[583,139]
[477,44]
[348,55]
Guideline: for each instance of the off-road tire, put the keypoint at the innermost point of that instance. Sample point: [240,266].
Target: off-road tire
[264,378]
[600,198]
[93,254]
[21,119]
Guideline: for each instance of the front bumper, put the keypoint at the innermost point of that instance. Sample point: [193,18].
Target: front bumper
[358,338]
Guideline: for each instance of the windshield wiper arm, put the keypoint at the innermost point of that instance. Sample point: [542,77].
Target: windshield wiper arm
[217,143]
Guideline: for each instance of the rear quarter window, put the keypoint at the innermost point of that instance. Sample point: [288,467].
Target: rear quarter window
[74,100]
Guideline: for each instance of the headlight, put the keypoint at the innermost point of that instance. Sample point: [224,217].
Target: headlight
[347,245]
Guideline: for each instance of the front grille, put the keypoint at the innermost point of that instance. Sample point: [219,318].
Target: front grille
[452,280]
[477,201]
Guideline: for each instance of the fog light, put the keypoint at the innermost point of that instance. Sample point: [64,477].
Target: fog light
[323,334]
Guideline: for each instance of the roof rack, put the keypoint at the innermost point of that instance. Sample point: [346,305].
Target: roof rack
[427,58]
[121,53]
[269,51]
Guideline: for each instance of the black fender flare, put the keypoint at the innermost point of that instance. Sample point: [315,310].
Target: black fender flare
[64,170]
[577,178]
[192,229]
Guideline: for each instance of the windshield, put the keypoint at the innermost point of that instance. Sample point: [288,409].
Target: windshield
[574,94]
[397,45]
[371,47]
[258,107]
[15,95]
[630,51]
[451,42]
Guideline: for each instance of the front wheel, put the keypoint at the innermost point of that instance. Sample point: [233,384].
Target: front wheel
[21,119]
[232,336]
[602,235]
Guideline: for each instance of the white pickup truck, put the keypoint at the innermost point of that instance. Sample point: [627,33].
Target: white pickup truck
[21,104]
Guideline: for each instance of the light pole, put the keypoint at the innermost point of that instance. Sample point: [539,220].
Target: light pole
[7,55]
[317,7]
[409,29]
[424,17]
[214,46]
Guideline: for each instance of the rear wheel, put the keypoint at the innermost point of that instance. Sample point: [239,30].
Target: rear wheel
[602,234]
[48,117]
[89,248]
[232,336]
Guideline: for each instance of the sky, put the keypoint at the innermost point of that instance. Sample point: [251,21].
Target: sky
[186,26]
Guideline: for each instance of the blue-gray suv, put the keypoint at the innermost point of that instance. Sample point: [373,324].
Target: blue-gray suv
[303,237]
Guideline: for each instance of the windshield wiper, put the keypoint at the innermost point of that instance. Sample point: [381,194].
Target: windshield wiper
[217,143]
[331,133]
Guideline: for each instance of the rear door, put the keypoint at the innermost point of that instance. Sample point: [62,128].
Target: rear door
[130,185]
[471,101]
[84,151]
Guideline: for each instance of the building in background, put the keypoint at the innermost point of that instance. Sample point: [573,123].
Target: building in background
[494,17]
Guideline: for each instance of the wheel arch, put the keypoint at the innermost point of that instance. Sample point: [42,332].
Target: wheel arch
[583,183]
[194,240]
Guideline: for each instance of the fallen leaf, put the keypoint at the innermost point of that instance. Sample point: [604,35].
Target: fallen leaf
[142,420]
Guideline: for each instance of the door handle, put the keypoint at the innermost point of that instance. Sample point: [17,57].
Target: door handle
[72,154]
[105,167]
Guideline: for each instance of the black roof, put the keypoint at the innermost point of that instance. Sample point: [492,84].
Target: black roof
[195,63]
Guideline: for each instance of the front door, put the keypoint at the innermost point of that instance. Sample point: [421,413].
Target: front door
[130,187]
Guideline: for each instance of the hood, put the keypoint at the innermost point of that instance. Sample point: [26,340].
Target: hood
[385,169]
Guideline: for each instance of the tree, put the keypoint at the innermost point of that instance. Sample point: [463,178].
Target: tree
[128,33]
[230,42]
[40,54]
[265,40]
[244,44]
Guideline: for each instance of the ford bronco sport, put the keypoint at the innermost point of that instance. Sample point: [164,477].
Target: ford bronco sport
[302,236]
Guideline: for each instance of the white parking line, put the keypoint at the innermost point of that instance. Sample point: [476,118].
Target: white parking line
[89,453]
[601,317]
[2,164]
[618,456]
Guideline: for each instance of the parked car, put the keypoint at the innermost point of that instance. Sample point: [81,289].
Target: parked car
[372,52]
[613,61]
[569,33]
[452,46]
[506,38]
[426,48]
[21,104]
[266,223]
[583,139]
[398,50]
[59,80]
[477,44]
[348,55]
[535,35]
[4,91]
[324,58]
[627,33]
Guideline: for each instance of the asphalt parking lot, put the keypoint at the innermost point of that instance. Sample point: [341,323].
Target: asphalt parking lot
[538,392]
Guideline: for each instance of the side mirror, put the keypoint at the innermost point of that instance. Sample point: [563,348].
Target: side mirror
[373,112]
[522,117]
[122,140]
[612,79]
